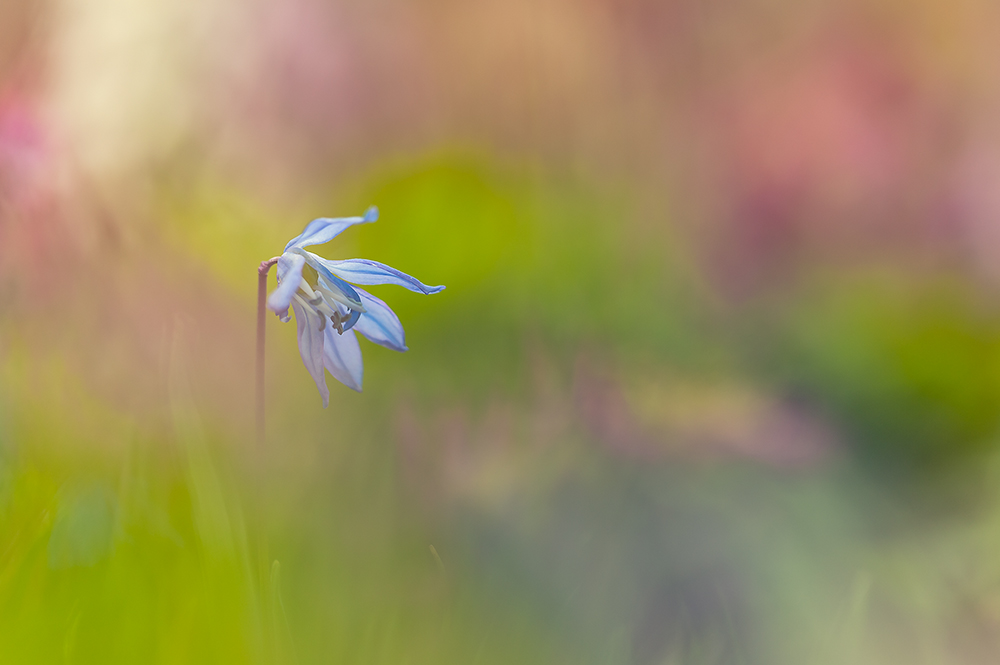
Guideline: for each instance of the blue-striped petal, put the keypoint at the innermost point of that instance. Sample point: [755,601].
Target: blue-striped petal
[326,229]
[311,347]
[289,277]
[380,324]
[352,320]
[363,271]
[341,290]
[342,357]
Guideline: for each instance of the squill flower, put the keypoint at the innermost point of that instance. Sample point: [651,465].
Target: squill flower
[328,310]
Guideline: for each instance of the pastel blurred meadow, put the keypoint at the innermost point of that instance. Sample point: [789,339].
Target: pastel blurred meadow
[716,377]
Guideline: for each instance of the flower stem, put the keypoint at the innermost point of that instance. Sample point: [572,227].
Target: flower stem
[265,267]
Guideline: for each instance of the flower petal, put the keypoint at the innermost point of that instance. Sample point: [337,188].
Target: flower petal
[380,324]
[352,319]
[342,357]
[311,347]
[363,271]
[326,229]
[289,277]
[340,290]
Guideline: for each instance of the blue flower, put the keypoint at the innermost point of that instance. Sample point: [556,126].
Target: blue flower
[328,310]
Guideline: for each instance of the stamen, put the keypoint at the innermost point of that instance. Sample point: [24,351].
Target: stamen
[307,290]
[318,305]
[334,295]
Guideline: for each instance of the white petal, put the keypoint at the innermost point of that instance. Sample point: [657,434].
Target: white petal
[342,357]
[289,277]
[311,346]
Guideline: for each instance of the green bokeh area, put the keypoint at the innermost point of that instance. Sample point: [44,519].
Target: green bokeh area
[525,261]
[911,371]
[477,504]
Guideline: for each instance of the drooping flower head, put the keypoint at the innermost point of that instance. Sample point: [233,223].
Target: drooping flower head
[328,309]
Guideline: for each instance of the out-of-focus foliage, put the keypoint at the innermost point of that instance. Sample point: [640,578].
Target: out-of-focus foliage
[912,372]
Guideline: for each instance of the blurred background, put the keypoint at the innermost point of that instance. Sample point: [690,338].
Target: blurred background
[716,378]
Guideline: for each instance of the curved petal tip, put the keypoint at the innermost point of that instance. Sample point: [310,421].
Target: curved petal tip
[371,214]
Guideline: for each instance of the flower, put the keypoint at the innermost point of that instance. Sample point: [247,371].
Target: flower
[328,310]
